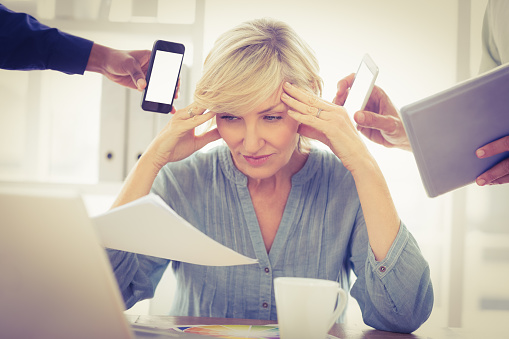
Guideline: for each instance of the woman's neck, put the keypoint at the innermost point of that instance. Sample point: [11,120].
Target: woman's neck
[280,179]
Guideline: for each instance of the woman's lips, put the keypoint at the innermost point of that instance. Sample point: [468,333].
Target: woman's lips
[257,160]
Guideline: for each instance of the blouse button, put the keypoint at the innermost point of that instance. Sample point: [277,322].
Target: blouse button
[267,270]
[382,269]
[265,305]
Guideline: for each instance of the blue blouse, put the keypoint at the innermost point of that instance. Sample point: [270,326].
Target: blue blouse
[322,235]
[26,44]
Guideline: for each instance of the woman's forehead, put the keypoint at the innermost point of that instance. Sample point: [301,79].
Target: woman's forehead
[272,103]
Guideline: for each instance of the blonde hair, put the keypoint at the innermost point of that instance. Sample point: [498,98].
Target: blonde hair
[250,62]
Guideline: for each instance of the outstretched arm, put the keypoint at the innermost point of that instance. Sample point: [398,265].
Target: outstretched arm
[29,45]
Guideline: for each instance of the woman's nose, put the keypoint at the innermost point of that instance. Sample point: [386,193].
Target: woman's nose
[253,141]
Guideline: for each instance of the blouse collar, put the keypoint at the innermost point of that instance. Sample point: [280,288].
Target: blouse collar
[307,171]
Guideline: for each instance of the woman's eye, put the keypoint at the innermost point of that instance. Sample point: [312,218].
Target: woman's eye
[228,117]
[273,117]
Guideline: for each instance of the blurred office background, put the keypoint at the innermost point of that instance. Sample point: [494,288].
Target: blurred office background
[85,132]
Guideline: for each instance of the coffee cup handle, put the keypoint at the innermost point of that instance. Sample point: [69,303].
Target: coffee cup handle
[340,307]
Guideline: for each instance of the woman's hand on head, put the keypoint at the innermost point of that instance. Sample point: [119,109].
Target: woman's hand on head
[177,140]
[326,122]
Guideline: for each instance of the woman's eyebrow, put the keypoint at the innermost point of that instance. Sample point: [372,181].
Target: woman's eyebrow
[272,108]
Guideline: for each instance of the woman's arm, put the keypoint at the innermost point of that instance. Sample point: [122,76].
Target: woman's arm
[175,142]
[333,127]
[394,294]
[393,285]
[137,275]
[382,220]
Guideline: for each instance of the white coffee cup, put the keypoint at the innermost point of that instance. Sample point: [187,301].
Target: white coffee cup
[307,308]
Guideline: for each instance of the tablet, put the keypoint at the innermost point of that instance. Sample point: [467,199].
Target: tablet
[447,128]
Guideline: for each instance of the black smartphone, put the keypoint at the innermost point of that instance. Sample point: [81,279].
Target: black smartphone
[162,76]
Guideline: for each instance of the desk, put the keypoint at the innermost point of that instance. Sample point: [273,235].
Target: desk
[343,331]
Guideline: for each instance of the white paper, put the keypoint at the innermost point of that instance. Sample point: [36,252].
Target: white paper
[149,226]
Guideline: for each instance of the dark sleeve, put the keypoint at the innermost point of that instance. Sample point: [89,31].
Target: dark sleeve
[26,44]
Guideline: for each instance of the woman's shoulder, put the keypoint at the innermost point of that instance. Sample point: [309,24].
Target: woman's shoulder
[326,162]
[197,166]
[200,159]
[321,163]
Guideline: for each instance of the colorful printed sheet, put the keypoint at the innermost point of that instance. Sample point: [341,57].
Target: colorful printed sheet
[235,331]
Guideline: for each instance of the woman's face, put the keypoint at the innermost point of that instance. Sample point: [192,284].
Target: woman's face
[261,141]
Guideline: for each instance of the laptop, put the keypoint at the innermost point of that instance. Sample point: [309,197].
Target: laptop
[55,278]
[447,128]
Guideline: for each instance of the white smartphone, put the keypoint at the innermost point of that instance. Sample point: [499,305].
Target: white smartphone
[362,86]
[162,76]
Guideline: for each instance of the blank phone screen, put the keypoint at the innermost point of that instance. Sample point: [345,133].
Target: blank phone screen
[164,77]
[358,94]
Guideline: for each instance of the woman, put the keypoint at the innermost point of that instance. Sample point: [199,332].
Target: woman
[268,194]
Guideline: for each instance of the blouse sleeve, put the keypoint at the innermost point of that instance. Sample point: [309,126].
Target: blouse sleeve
[394,294]
[137,275]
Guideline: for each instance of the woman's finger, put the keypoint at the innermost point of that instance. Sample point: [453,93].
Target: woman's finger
[304,102]
[207,137]
[299,106]
[310,121]
[189,112]
[197,120]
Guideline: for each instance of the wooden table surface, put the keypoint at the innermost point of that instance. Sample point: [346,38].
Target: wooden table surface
[343,331]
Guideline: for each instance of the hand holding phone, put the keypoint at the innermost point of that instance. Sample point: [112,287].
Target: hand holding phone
[362,86]
[162,76]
